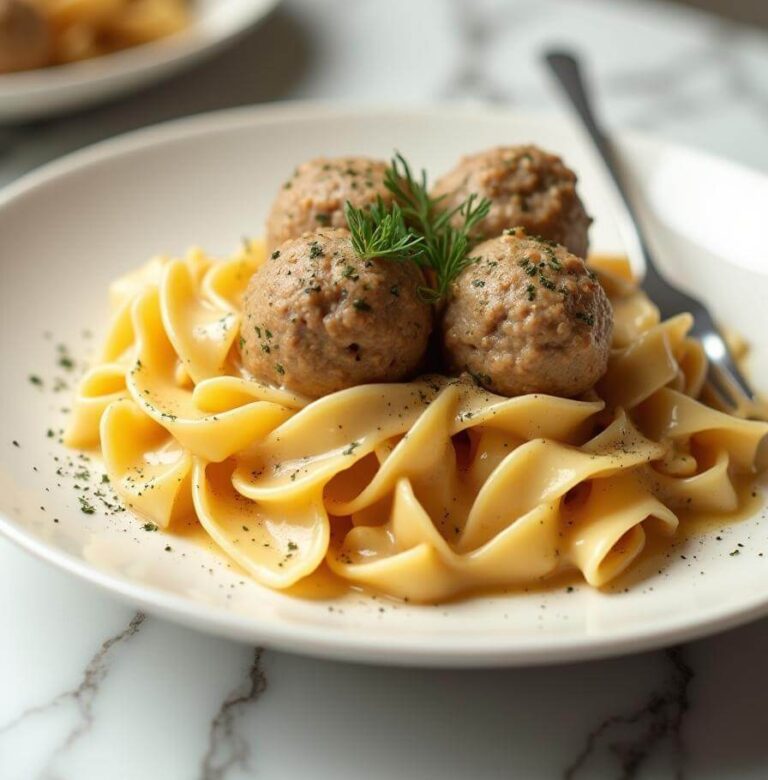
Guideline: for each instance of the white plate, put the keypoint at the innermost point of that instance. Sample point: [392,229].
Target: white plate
[47,91]
[68,229]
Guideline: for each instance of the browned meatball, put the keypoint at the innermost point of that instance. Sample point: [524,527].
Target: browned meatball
[25,40]
[527,316]
[314,196]
[318,319]
[527,187]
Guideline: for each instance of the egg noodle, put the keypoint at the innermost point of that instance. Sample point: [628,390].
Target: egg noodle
[422,490]
[82,29]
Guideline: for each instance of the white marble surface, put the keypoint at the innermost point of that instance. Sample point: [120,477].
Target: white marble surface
[92,690]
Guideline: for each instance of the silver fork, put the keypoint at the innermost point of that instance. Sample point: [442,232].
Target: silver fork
[724,374]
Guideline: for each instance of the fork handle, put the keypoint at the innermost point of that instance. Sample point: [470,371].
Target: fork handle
[567,70]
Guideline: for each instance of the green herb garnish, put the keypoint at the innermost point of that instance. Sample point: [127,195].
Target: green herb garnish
[586,318]
[445,246]
[381,232]
[415,228]
[351,448]
[85,506]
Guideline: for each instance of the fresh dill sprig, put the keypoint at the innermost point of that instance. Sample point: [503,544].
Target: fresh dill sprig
[380,231]
[446,247]
[415,228]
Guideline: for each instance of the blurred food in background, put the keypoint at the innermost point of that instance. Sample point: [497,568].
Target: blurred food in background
[40,33]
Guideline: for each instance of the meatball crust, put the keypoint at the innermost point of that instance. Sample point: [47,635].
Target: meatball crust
[527,187]
[527,316]
[315,195]
[25,39]
[317,318]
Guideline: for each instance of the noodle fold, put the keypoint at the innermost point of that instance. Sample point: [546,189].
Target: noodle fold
[422,490]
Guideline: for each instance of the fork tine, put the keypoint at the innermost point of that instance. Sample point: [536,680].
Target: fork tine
[728,391]
[719,354]
[670,300]
[716,393]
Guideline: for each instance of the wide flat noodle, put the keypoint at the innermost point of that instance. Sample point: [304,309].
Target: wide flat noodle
[606,533]
[422,490]
[145,464]
[101,386]
[153,384]
[277,545]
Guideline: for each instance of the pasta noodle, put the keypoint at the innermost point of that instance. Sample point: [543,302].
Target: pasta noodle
[82,29]
[423,490]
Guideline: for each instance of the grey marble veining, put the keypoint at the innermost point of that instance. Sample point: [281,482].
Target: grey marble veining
[228,747]
[93,690]
[80,698]
[633,738]
[153,697]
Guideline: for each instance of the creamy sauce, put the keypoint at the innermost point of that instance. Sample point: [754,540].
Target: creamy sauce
[324,585]
[659,549]
[408,461]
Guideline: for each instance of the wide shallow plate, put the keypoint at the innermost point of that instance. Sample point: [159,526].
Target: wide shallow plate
[68,229]
[47,91]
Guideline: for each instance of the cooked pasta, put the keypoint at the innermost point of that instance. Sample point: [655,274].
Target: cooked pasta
[422,490]
[39,33]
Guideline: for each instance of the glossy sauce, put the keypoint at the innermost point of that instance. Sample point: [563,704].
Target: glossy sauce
[323,584]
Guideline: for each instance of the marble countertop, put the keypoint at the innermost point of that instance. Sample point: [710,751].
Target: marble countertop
[92,690]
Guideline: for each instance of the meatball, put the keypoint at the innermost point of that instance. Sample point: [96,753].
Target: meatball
[318,318]
[314,196]
[25,40]
[527,187]
[527,316]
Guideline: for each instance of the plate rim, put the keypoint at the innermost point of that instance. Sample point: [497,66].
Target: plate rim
[202,123]
[325,641]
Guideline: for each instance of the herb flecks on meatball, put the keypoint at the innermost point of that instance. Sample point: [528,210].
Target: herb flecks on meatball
[318,318]
[315,195]
[527,187]
[527,316]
